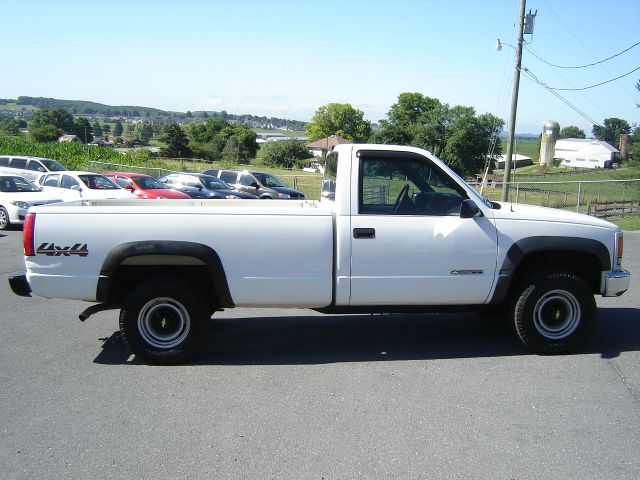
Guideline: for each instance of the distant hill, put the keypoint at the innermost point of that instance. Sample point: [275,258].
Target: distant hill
[86,108]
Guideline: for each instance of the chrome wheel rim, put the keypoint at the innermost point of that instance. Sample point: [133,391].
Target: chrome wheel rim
[4,219]
[557,314]
[164,323]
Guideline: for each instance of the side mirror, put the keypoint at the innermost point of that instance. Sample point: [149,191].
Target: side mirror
[255,185]
[129,188]
[469,209]
[76,188]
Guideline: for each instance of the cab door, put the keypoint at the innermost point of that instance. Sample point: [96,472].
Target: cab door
[409,245]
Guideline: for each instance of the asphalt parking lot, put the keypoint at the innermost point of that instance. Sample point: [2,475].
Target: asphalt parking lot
[295,394]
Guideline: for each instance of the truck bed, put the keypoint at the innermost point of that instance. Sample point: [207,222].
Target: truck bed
[250,237]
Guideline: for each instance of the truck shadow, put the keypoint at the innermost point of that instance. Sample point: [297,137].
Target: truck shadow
[323,339]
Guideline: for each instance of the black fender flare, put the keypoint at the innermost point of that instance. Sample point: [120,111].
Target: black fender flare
[526,246]
[207,255]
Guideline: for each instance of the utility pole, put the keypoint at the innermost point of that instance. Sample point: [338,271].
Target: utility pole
[514,106]
[86,141]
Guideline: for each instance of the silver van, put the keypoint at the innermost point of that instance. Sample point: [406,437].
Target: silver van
[28,167]
[263,185]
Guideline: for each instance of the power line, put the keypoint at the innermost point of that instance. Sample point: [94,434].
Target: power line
[586,48]
[581,66]
[532,76]
[597,107]
[598,84]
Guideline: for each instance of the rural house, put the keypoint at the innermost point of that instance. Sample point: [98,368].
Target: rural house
[325,144]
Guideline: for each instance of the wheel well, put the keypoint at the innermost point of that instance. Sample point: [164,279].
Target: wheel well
[585,265]
[130,263]
[127,277]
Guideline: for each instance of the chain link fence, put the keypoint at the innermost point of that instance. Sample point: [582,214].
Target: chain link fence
[601,198]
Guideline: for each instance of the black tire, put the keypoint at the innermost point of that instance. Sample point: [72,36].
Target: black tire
[554,313]
[4,219]
[164,320]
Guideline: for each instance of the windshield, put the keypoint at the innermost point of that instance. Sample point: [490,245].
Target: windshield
[53,166]
[98,182]
[269,180]
[17,184]
[148,183]
[213,183]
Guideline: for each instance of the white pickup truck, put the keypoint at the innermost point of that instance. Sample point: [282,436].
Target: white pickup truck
[396,230]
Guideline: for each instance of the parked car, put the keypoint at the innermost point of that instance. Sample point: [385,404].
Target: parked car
[17,195]
[28,167]
[263,185]
[72,185]
[144,186]
[198,185]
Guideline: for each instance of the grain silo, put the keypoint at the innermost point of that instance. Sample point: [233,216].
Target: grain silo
[550,133]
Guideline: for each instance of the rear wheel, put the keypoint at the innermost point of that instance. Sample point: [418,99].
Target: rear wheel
[164,320]
[554,312]
[4,219]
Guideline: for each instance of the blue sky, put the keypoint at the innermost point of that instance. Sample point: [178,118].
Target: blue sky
[287,58]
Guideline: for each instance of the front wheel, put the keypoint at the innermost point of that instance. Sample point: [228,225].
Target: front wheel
[164,320]
[554,312]
[4,219]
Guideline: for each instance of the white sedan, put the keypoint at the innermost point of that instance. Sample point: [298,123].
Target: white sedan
[17,194]
[73,185]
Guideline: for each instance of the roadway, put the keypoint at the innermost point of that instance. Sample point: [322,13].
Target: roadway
[295,394]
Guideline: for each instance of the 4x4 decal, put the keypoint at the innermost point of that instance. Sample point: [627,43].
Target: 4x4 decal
[52,250]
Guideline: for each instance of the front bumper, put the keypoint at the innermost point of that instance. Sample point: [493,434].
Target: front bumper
[19,285]
[615,283]
[16,214]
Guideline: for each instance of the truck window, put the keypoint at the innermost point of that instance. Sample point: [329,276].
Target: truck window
[406,186]
[329,180]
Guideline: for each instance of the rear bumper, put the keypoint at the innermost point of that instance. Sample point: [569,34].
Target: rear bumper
[615,283]
[19,285]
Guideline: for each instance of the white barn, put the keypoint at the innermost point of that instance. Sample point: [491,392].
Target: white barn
[585,153]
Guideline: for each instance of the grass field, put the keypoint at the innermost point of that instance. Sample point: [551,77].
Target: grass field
[18,108]
[528,147]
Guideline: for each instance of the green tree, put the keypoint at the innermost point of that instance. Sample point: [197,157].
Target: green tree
[469,138]
[144,131]
[411,107]
[97,129]
[458,135]
[118,129]
[9,125]
[339,119]
[210,138]
[285,154]
[46,133]
[129,130]
[611,130]
[177,143]
[231,150]
[58,117]
[82,129]
[572,132]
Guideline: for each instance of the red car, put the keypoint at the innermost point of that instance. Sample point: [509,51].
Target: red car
[144,186]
